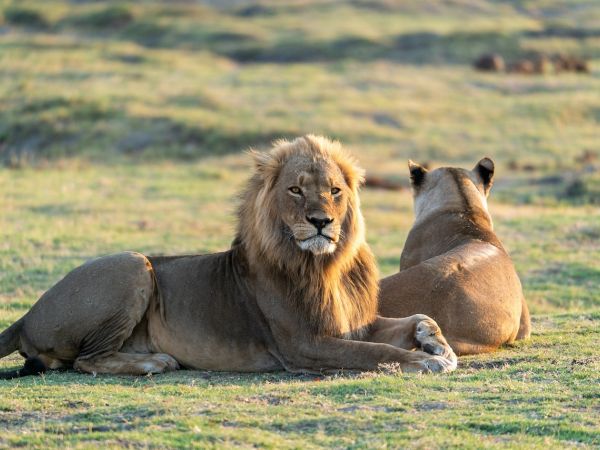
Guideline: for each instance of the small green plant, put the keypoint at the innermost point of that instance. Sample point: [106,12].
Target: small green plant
[109,18]
[24,17]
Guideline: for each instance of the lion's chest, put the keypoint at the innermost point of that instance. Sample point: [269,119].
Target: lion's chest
[345,315]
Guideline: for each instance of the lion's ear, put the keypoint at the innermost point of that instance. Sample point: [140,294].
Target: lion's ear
[261,159]
[355,175]
[266,165]
[485,170]
[417,173]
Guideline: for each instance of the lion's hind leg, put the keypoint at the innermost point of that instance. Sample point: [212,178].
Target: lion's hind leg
[94,318]
[127,363]
[101,351]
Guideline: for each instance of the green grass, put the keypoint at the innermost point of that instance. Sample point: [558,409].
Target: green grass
[539,393]
[153,79]
[542,394]
[122,127]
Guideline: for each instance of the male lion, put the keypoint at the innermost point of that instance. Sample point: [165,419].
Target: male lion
[297,291]
[453,266]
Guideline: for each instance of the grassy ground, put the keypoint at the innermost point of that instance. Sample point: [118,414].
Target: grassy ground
[543,394]
[122,127]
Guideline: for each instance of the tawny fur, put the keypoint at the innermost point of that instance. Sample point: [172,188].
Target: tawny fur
[453,266]
[336,294]
[296,291]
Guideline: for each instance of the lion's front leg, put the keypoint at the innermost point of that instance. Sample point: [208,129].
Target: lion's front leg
[328,353]
[414,332]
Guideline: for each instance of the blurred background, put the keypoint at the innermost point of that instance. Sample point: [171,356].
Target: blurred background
[123,124]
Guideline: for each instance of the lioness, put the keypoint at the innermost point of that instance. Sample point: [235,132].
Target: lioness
[297,291]
[453,266]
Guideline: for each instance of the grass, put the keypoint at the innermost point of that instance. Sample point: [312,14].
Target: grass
[542,394]
[154,79]
[121,127]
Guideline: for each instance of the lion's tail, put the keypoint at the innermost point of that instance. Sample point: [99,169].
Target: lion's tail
[9,338]
[9,342]
[33,366]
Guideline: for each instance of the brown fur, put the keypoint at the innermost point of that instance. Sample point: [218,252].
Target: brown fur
[522,66]
[453,267]
[297,290]
[336,294]
[570,63]
[489,62]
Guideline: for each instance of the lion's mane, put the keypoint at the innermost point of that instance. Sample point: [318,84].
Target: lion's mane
[335,293]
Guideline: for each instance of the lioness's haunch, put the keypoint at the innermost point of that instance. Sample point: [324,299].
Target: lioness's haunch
[453,266]
[297,291]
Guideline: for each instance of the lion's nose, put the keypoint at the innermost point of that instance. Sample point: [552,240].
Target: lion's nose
[319,222]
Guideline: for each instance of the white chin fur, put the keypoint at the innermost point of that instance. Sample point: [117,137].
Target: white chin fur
[318,245]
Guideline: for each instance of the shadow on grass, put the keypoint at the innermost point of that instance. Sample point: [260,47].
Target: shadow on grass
[564,432]
[418,48]
[178,378]
[413,48]
[460,47]
[69,126]
[499,363]
[119,23]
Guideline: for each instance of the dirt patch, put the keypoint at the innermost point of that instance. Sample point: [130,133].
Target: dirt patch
[496,364]
[431,406]
[585,361]
[355,408]
[267,399]
[18,419]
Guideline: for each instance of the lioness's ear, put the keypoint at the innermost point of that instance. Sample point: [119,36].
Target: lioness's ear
[417,173]
[485,170]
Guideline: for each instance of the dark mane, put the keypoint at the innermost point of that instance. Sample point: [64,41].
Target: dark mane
[335,293]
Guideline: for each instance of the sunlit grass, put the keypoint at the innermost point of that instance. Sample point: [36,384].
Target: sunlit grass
[122,127]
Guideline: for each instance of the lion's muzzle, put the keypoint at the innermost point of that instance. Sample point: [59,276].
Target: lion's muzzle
[319,244]
[320,237]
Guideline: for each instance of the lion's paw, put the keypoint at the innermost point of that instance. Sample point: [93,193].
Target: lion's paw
[430,339]
[439,364]
[430,364]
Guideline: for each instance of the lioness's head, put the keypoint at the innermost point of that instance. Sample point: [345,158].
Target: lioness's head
[451,188]
[304,198]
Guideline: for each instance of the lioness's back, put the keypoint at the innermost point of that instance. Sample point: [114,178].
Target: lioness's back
[453,266]
[456,288]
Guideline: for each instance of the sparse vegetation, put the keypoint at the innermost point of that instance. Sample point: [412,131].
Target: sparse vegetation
[24,17]
[122,127]
[110,18]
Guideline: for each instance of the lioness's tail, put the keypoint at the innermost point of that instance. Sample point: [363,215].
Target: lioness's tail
[9,338]
[525,323]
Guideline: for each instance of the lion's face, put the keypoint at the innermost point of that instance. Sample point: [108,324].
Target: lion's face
[306,199]
[312,196]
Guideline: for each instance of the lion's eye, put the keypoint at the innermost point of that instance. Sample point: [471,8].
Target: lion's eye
[295,190]
[335,191]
